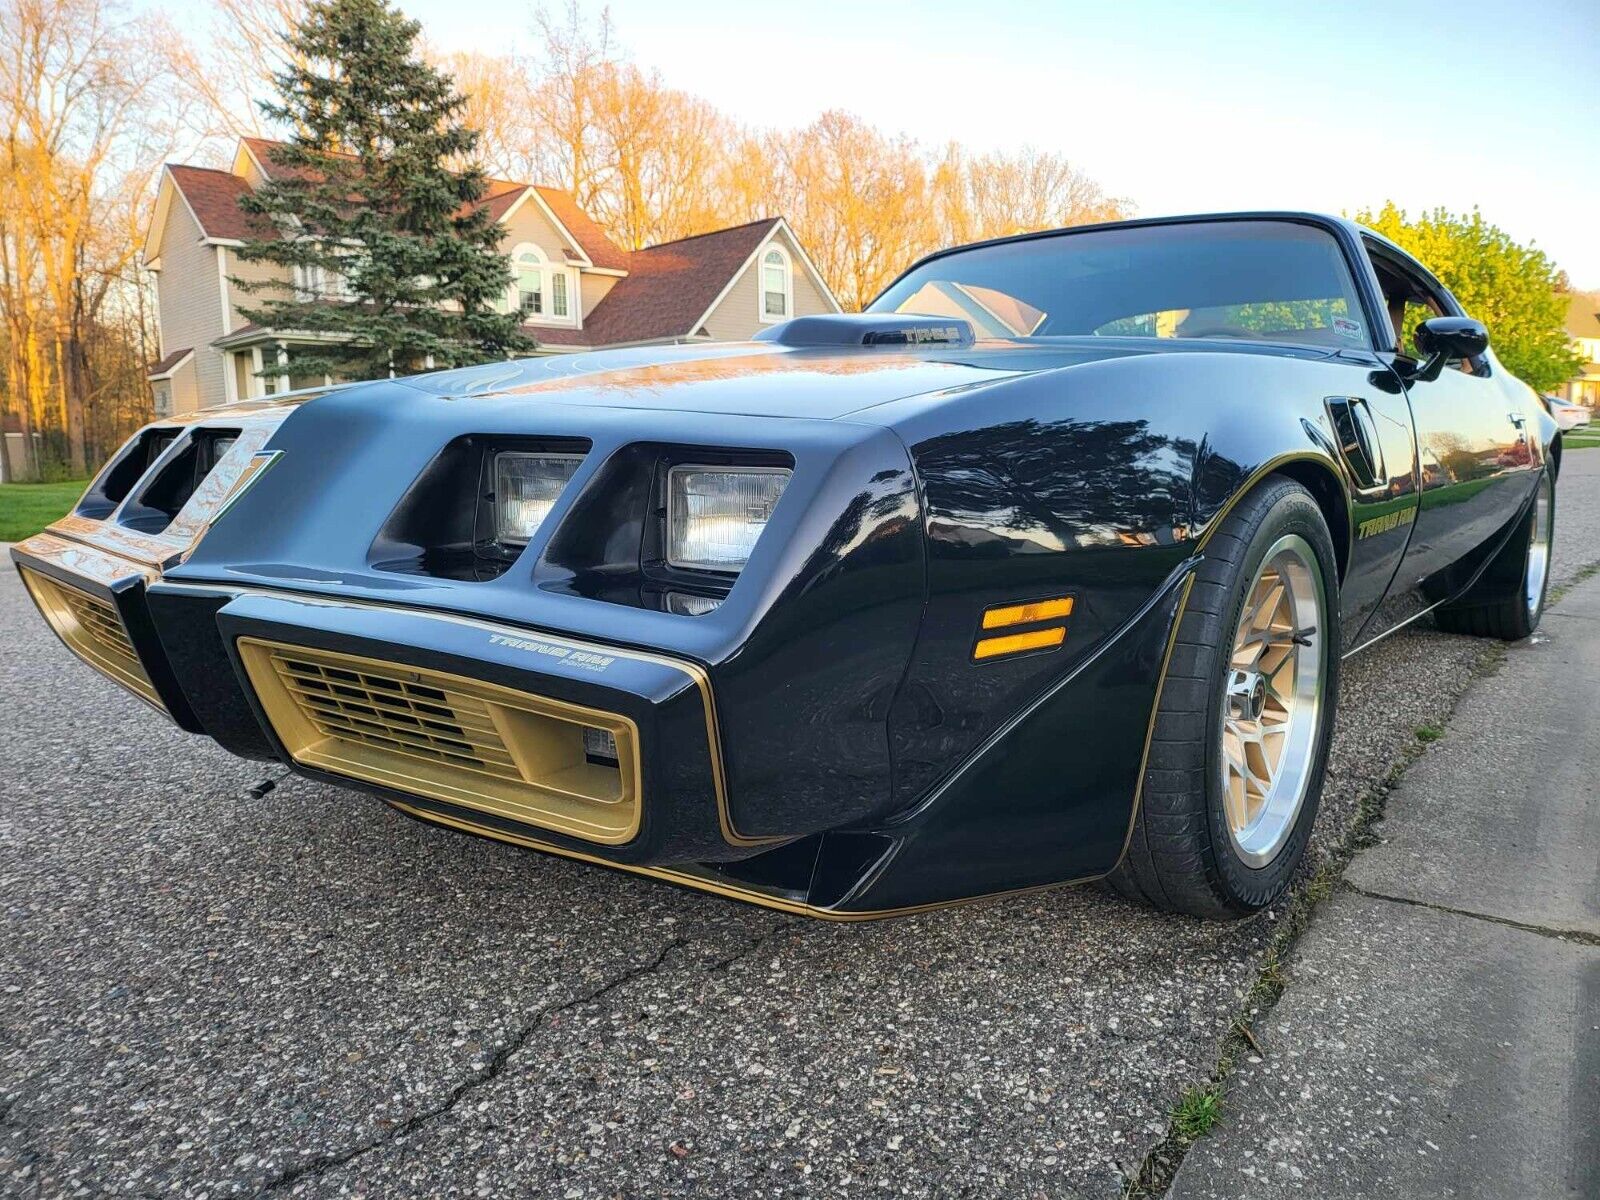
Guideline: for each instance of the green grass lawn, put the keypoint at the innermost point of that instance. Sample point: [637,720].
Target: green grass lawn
[1581,439]
[26,508]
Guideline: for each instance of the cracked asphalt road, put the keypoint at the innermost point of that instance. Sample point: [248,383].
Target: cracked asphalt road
[203,994]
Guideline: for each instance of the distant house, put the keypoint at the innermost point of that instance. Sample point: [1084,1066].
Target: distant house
[575,288]
[1583,327]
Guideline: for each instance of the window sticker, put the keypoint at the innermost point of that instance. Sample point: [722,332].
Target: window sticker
[1347,329]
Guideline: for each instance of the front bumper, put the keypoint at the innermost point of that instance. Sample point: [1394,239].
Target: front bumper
[96,602]
[462,717]
[474,724]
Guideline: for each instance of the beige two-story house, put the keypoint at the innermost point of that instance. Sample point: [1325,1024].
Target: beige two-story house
[576,290]
[1583,327]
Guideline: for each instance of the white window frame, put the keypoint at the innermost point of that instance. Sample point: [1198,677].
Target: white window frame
[307,281]
[762,315]
[549,271]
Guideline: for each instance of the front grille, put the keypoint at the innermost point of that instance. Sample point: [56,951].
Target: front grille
[91,629]
[448,737]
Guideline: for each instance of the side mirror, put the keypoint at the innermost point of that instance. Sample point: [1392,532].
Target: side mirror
[1444,339]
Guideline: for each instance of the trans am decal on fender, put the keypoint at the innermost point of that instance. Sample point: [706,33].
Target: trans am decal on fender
[1039,571]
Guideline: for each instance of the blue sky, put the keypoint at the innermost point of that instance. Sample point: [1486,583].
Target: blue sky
[1181,107]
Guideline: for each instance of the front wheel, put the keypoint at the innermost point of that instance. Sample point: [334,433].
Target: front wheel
[1242,725]
[1508,599]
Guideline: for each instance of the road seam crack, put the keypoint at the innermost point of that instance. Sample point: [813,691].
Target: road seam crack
[496,1066]
[1564,935]
[756,944]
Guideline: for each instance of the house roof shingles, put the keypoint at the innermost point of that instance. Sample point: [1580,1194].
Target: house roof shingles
[670,286]
[163,366]
[599,249]
[213,197]
[499,197]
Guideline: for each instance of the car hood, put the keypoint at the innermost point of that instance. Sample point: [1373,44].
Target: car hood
[753,378]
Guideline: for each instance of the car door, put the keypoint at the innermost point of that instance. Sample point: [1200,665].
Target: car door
[1474,460]
[1371,423]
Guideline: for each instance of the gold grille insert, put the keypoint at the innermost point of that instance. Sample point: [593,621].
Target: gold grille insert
[93,631]
[449,737]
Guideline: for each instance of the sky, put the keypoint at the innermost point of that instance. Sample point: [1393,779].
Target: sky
[1178,106]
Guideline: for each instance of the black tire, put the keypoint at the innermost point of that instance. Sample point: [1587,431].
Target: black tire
[1497,605]
[1181,857]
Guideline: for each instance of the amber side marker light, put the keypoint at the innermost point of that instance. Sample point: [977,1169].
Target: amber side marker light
[1034,612]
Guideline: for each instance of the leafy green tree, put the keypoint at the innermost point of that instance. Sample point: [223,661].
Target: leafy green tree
[392,260]
[1513,289]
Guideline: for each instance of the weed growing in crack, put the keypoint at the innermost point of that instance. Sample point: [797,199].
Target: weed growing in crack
[1198,1111]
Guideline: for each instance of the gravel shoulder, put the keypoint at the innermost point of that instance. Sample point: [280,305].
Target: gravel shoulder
[206,994]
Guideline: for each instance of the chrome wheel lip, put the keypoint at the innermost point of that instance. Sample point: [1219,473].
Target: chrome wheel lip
[1540,540]
[1271,710]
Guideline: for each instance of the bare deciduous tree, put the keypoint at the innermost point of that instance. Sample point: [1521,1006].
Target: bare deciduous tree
[82,117]
[227,70]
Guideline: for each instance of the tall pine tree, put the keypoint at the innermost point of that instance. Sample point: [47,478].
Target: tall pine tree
[393,261]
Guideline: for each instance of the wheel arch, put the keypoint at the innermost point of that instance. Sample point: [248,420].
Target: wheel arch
[1319,476]
[1327,489]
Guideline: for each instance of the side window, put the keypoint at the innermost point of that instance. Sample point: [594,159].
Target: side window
[1410,301]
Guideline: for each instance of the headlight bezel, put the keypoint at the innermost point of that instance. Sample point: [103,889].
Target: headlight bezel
[715,569]
[516,543]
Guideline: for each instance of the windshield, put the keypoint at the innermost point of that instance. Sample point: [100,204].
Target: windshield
[1276,281]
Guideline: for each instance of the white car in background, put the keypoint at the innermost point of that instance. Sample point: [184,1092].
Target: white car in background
[1567,414]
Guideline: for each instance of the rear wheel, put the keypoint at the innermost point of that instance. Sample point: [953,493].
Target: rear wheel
[1240,741]
[1508,600]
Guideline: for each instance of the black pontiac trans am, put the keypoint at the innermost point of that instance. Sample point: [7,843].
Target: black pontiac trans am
[1039,571]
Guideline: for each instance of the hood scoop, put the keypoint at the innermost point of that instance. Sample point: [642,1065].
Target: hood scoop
[869,329]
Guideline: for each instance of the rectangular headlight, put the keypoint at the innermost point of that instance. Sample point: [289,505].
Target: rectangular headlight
[715,514]
[526,487]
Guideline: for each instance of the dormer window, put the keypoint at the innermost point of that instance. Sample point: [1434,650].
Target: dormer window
[777,285]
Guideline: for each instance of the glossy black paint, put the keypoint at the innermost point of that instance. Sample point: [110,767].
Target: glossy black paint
[871,764]
[1445,338]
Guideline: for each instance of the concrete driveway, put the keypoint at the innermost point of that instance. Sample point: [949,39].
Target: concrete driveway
[204,994]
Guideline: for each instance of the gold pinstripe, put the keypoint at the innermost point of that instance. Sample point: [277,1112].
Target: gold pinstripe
[729,890]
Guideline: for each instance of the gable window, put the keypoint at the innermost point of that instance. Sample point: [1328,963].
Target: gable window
[540,289]
[777,285]
[528,286]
